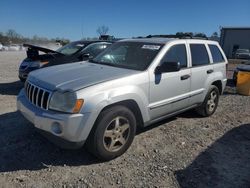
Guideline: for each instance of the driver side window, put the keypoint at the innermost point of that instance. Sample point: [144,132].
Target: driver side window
[94,49]
[176,53]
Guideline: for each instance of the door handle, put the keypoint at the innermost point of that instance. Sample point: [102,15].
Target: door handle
[184,77]
[210,71]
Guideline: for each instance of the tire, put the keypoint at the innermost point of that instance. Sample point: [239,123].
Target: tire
[235,78]
[113,133]
[22,79]
[210,103]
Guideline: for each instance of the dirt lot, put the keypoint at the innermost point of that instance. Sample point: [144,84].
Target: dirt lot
[185,151]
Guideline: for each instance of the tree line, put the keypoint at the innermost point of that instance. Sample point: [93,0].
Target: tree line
[12,37]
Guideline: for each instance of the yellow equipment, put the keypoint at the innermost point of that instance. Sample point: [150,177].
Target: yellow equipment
[243,83]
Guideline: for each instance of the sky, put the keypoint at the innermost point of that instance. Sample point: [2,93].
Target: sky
[76,19]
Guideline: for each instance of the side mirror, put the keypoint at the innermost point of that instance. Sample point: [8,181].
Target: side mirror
[86,57]
[168,67]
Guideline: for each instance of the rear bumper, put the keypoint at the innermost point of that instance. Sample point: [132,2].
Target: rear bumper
[224,83]
[63,129]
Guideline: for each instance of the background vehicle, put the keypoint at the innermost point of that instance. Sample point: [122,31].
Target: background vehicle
[5,48]
[133,83]
[1,47]
[242,54]
[72,52]
[13,47]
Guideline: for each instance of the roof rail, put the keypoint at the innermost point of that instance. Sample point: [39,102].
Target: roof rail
[184,36]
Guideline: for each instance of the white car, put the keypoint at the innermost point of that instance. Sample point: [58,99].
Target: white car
[14,47]
[5,48]
[1,47]
[242,54]
[134,82]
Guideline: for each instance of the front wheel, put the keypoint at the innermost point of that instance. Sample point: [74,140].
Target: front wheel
[210,103]
[113,133]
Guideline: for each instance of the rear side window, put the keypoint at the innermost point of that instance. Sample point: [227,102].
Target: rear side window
[216,54]
[176,53]
[199,55]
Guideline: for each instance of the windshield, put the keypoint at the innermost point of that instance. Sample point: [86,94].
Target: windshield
[130,55]
[242,51]
[70,48]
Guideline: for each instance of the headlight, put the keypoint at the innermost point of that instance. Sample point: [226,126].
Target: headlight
[42,63]
[65,102]
[37,64]
[34,64]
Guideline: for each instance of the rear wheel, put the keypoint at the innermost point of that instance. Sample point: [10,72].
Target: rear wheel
[113,133]
[210,103]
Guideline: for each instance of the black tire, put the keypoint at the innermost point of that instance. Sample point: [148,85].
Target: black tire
[22,79]
[101,145]
[206,109]
[235,78]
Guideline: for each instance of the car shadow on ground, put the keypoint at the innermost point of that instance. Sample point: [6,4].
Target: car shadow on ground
[23,148]
[230,88]
[226,163]
[12,88]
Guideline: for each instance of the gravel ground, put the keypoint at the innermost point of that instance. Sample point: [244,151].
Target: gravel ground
[184,151]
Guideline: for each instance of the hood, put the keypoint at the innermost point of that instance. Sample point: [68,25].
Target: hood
[75,76]
[38,48]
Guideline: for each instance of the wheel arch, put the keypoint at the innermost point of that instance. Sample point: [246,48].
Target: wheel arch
[218,84]
[131,105]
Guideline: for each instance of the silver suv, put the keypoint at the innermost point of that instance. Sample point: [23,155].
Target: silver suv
[134,83]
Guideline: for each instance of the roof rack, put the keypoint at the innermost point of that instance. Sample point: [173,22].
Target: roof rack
[184,36]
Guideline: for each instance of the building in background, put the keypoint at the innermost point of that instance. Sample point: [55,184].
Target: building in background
[233,38]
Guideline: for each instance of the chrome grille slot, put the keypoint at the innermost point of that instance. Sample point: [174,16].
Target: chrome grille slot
[38,96]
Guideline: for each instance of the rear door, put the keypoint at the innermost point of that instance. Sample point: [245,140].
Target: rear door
[219,60]
[201,70]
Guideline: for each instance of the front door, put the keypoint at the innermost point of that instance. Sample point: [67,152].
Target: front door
[169,92]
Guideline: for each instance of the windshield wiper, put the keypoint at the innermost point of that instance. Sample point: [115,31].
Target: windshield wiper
[99,62]
[111,64]
[93,61]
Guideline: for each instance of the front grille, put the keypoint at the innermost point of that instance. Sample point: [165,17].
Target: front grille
[38,96]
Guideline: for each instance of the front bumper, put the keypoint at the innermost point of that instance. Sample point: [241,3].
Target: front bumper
[68,127]
[23,73]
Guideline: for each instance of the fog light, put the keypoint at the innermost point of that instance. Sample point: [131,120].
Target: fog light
[56,128]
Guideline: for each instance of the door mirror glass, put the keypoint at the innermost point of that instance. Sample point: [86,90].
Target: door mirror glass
[85,56]
[168,67]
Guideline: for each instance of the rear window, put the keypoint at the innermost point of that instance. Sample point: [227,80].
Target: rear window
[199,55]
[216,54]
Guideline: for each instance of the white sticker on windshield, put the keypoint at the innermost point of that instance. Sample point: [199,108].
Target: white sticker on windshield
[151,47]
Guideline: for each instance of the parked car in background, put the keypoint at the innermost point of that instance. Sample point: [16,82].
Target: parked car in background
[5,48]
[72,52]
[14,47]
[133,83]
[245,66]
[242,54]
[1,47]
